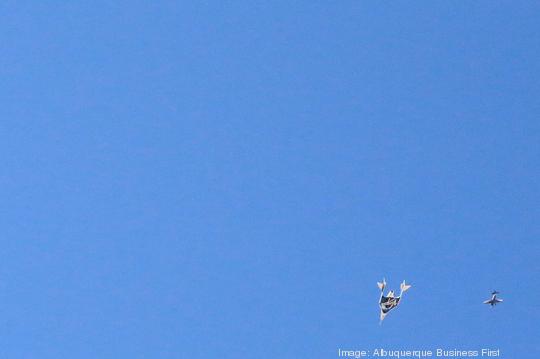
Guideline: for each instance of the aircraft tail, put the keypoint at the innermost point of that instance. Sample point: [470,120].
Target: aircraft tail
[404,287]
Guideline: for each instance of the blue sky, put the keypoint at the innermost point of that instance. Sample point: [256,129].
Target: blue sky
[224,179]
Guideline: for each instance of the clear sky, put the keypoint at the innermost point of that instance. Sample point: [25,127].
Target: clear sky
[230,179]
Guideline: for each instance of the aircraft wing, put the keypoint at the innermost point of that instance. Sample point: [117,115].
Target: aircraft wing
[488,301]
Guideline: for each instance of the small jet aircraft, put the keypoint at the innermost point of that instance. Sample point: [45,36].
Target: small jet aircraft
[390,301]
[494,300]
